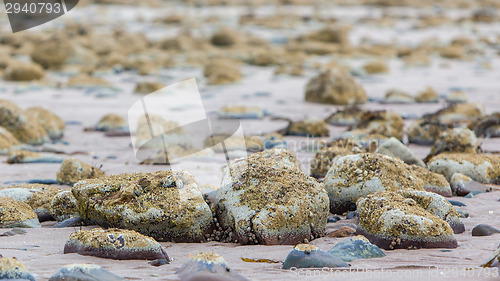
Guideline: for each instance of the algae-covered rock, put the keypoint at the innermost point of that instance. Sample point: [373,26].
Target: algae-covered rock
[355,176]
[84,272]
[53,124]
[12,269]
[7,140]
[16,156]
[392,221]
[310,256]
[424,131]
[111,122]
[429,95]
[14,213]
[355,248]
[333,34]
[72,170]
[487,126]
[23,71]
[63,206]
[241,112]
[224,38]
[115,244]
[461,140]
[458,113]
[37,196]
[266,199]
[335,87]
[53,52]
[386,123]
[87,81]
[348,116]
[324,158]
[433,182]
[395,148]
[166,205]
[312,127]
[23,126]
[221,72]
[208,266]
[452,52]
[376,67]
[148,87]
[482,168]
[395,96]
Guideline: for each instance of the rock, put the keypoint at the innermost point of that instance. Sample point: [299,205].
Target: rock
[24,157]
[73,170]
[487,126]
[241,112]
[452,52]
[324,159]
[386,123]
[84,272]
[392,221]
[463,213]
[53,124]
[355,176]
[115,244]
[310,256]
[12,269]
[463,185]
[274,140]
[394,148]
[433,182]
[312,127]
[53,52]
[70,222]
[335,87]
[148,87]
[7,141]
[350,115]
[23,71]
[345,231]
[333,219]
[159,262]
[37,196]
[427,96]
[458,113]
[252,143]
[14,213]
[398,97]
[168,204]
[209,267]
[456,97]
[376,67]
[350,215]
[333,34]
[355,248]
[424,131]
[87,81]
[63,206]
[266,199]
[493,260]
[224,38]
[111,123]
[156,132]
[482,168]
[455,140]
[222,72]
[484,230]
[457,203]
[23,126]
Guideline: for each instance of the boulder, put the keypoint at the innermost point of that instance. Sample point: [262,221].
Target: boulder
[482,168]
[429,95]
[312,127]
[12,269]
[22,125]
[7,141]
[355,248]
[53,124]
[73,170]
[208,266]
[23,71]
[310,256]
[111,122]
[84,272]
[335,87]
[425,131]
[14,213]
[222,72]
[63,206]
[37,196]
[455,140]
[395,148]
[433,182]
[386,123]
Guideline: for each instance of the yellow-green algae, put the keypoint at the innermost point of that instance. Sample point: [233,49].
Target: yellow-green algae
[324,159]
[386,123]
[73,170]
[42,194]
[482,168]
[14,213]
[313,127]
[433,182]
[166,205]
[63,206]
[461,140]
[12,269]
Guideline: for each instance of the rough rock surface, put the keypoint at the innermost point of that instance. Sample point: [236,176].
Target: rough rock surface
[73,170]
[487,126]
[310,256]
[21,124]
[84,272]
[335,87]
[433,182]
[14,213]
[455,140]
[424,131]
[348,116]
[482,168]
[63,206]
[12,269]
[386,123]
[267,199]
[37,196]
[324,159]
[53,124]
[208,266]
[166,205]
[312,127]
[395,148]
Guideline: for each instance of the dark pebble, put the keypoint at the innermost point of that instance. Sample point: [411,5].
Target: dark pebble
[484,230]
[350,215]
[309,256]
[333,219]
[76,221]
[457,203]
[159,262]
[43,181]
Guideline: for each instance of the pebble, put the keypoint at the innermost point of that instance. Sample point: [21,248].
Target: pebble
[208,266]
[354,248]
[484,230]
[84,272]
[310,256]
[333,219]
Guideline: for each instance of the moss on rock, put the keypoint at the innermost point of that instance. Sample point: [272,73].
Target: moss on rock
[386,123]
[23,71]
[73,170]
[461,140]
[433,182]
[12,269]
[63,206]
[39,197]
[335,87]
[111,122]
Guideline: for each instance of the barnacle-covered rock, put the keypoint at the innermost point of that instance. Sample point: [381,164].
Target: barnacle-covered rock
[375,67]
[310,256]
[53,124]
[386,123]
[324,158]
[397,97]
[482,168]
[461,140]
[22,125]
[53,52]
[335,86]
[12,269]
[14,213]
[72,170]
[63,206]
[433,182]
[37,196]
[348,116]
[148,87]
[425,131]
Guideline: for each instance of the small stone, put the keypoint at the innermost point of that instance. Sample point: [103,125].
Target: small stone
[487,126]
[12,269]
[376,67]
[350,215]
[427,96]
[159,262]
[457,203]
[424,131]
[310,256]
[73,170]
[224,38]
[23,71]
[463,185]
[482,168]
[385,123]
[394,148]
[484,230]
[114,244]
[84,272]
[222,71]
[208,266]
[354,248]
[335,87]
[463,213]
[350,115]
[111,123]
[345,231]
[16,156]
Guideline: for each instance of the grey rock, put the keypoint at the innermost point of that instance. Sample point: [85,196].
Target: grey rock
[394,148]
[354,248]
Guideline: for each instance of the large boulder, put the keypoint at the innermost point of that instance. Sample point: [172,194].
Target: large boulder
[355,176]
[267,199]
[482,168]
[335,87]
[166,205]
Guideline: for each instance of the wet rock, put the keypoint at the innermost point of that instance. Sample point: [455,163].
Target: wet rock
[73,170]
[168,204]
[53,124]
[386,123]
[241,112]
[23,71]
[427,96]
[345,231]
[335,87]
[159,262]
[14,213]
[208,266]
[63,206]
[23,126]
[70,222]
[392,221]
[398,97]
[222,72]
[424,131]
[487,126]
[111,123]
[333,219]
[394,148]
[84,272]
[456,97]
[37,196]
[463,185]
[310,256]
[482,168]
[7,141]
[376,67]
[493,260]
[433,182]
[25,157]
[324,159]
[148,87]
[115,244]
[484,230]
[312,127]
[346,117]
[355,176]
[455,140]
[12,269]
[266,199]
[355,248]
